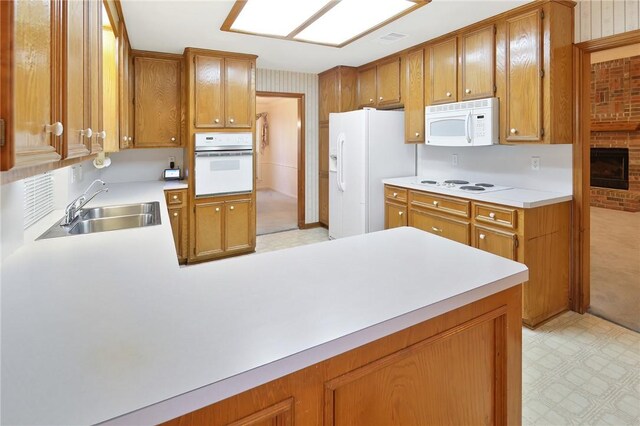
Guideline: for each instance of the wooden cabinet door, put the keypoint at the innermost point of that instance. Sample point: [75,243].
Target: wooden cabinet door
[32,107]
[208,94]
[238,232]
[388,82]
[478,63]
[324,199]
[76,98]
[209,229]
[157,102]
[414,97]
[524,79]
[328,87]
[367,87]
[323,151]
[444,71]
[239,93]
[451,229]
[94,75]
[178,218]
[395,215]
[123,70]
[494,241]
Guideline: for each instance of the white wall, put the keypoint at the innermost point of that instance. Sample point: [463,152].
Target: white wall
[295,82]
[278,162]
[140,165]
[601,18]
[501,165]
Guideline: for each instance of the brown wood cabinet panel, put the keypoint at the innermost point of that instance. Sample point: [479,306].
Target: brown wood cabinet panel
[451,229]
[178,218]
[124,88]
[239,93]
[328,85]
[414,97]
[396,194]
[478,63]
[94,75]
[367,94]
[324,199]
[77,90]
[388,82]
[524,78]
[238,232]
[348,89]
[208,92]
[395,215]
[450,205]
[209,229]
[32,106]
[158,108]
[444,71]
[323,151]
[495,241]
[495,215]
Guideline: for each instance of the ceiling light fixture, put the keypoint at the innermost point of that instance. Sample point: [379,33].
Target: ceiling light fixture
[328,22]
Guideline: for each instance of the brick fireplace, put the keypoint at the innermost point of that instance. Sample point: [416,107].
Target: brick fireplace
[615,135]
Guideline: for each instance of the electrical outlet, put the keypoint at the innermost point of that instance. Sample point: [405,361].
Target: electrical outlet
[454,160]
[172,159]
[535,163]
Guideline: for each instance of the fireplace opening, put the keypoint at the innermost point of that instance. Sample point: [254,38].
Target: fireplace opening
[610,167]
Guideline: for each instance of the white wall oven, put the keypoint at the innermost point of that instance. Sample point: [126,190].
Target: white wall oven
[223,163]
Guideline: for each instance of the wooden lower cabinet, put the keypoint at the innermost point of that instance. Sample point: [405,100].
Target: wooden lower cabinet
[177,206]
[395,215]
[460,368]
[324,199]
[222,226]
[538,237]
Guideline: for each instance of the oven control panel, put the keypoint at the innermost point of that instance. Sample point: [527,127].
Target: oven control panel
[226,141]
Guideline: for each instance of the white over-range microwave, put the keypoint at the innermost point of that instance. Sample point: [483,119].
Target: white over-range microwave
[469,123]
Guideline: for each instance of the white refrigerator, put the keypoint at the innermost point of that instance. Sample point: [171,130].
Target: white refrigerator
[365,146]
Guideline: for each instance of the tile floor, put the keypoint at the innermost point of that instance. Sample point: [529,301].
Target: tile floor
[276,212]
[576,369]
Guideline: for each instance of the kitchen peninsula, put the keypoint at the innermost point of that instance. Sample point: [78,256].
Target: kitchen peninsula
[302,334]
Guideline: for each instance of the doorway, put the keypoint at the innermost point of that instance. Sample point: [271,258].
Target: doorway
[280,162]
[606,187]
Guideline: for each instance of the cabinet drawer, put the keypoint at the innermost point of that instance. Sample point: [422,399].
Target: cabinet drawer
[176,197]
[396,194]
[440,203]
[395,215]
[495,215]
[456,230]
[500,243]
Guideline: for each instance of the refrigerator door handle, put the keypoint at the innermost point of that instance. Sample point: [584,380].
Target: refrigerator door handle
[340,174]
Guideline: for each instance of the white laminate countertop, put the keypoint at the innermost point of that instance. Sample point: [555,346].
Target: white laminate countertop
[514,197]
[107,327]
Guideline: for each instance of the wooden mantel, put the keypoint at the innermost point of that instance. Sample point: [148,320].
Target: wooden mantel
[615,126]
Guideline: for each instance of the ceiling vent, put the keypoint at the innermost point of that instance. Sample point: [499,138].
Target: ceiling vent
[391,38]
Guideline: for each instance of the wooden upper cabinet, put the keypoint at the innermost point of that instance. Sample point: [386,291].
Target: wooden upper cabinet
[478,63]
[388,82]
[94,75]
[239,93]
[31,108]
[328,86]
[125,86]
[157,101]
[444,71]
[414,97]
[208,92]
[367,87]
[524,78]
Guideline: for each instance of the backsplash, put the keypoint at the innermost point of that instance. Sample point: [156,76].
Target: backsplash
[502,165]
[140,165]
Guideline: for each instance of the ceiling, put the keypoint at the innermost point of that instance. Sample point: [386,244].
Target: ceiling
[172,25]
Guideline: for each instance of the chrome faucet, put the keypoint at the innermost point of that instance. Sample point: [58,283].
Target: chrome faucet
[72,211]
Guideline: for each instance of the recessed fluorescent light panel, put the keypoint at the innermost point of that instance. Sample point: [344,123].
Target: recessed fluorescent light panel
[327,22]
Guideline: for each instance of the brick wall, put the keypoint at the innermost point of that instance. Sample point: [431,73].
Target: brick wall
[615,96]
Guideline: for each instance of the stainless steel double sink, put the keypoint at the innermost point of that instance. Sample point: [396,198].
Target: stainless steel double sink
[107,218]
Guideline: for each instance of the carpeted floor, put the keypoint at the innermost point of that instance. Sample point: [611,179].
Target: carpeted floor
[615,266]
[276,212]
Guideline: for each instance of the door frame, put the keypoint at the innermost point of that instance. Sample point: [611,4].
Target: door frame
[301,147]
[581,238]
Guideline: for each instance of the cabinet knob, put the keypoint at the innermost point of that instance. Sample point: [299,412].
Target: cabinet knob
[370,100]
[175,197]
[175,214]
[380,98]
[173,139]
[400,213]
[417,134]
[231,120]
[231,208]
[467,91]
[436,229]
[514,131]
[124,139]
[102,134]
[130,138]
[217,209]
[395,194]
[56,128]
[482,236]
[87,132]
[448,94]
[492,215]
[217,120]
[435,203]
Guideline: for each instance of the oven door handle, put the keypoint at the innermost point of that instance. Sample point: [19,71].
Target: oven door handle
[223,153]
